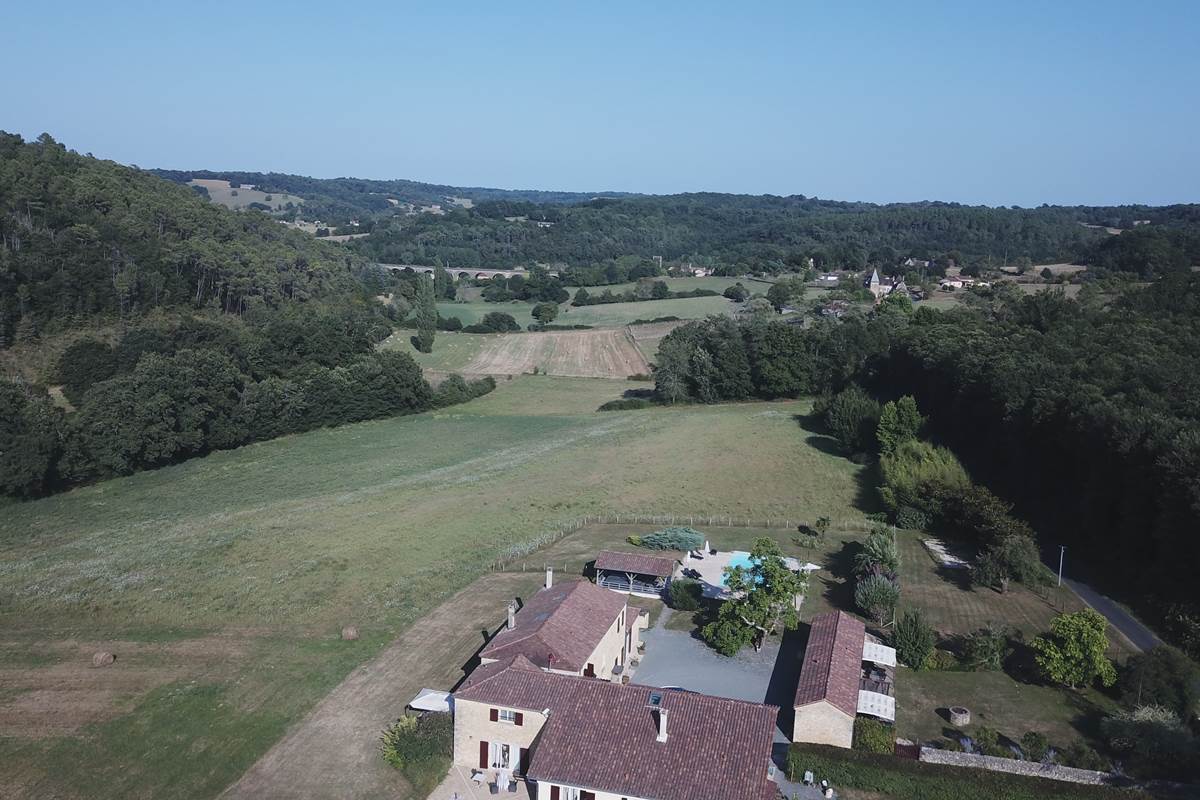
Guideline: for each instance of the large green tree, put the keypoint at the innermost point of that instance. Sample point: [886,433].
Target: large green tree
[763,601]
[1073,652]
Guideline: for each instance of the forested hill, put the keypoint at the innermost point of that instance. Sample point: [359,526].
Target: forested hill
[338,200]
[80,237]
[737,233]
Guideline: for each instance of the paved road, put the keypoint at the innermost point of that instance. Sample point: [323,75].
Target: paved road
[1142,637]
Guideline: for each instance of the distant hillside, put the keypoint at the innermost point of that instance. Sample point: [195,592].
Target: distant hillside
[81,237]
[338,200]
[741,233]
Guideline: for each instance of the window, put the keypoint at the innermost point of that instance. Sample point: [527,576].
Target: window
[509,716]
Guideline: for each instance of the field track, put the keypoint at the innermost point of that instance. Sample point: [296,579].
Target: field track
[573,354]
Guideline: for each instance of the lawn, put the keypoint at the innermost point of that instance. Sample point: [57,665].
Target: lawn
[609,315]
[997,701]
[221,583]
[617,314]
[451,351]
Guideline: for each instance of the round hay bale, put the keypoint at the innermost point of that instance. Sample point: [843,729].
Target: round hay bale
[102,659]
[349,633]
[959,716]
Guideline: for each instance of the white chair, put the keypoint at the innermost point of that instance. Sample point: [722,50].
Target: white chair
[808,778]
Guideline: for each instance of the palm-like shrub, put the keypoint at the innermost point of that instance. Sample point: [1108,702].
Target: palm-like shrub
[877,596]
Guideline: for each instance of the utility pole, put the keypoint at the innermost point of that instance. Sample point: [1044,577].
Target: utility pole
[1062,551]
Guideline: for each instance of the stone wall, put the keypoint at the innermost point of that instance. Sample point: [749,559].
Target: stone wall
[996,764]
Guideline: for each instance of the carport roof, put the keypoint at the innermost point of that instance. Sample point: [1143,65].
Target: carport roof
[637,563]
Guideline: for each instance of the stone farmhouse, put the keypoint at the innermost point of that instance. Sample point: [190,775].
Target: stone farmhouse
[845,673]
[548,703]
[574,628]
[585,739]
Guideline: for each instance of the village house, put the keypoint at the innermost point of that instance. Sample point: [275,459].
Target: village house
[844,673]
[573,628]
[585,739]
[634,573]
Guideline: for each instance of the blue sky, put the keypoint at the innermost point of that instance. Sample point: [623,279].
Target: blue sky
[997,103]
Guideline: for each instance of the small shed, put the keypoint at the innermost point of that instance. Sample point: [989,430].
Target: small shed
[634,573]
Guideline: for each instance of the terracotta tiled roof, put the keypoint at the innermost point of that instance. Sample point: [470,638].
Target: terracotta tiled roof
[516,683]
[635,562]
[603,736]
[559,627]
[832,662]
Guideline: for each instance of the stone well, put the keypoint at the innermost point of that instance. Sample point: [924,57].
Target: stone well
[960,716]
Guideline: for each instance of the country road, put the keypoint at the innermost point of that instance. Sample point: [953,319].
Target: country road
[1138,634]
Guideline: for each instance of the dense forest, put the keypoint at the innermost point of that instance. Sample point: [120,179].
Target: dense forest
[738,234]
[81,237]
[180,327]
[1083,413]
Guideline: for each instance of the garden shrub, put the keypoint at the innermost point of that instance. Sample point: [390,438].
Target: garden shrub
[626,404]
[636,541]
[1079,755]
[904,779]
[913,639]
[420,747]
[873,736]
[685,594]
[912,519]
[1035,746]
[674,538]
[941,660]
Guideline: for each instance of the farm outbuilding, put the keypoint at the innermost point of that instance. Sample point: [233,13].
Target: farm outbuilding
[634,573]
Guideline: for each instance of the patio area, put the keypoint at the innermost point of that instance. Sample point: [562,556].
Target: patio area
[709,569]
[461,784]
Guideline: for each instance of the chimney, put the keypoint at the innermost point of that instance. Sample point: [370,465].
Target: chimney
[512,616]
[549,577]
[662,724]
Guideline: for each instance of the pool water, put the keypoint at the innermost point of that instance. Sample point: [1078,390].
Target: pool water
[738,558]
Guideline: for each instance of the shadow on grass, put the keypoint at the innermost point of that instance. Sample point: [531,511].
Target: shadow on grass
[839,590]
[960,578]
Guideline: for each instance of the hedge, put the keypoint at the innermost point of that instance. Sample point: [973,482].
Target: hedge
[905,779]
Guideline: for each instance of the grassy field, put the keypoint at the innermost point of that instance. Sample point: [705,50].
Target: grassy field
[221,583]
[610,315]
[715,283]
[452,352]
[221,193]
[617,314]
[997,701]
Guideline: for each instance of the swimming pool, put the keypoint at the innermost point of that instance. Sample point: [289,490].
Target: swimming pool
[737,558]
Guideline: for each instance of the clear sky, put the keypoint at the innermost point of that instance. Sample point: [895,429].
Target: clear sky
[980,102]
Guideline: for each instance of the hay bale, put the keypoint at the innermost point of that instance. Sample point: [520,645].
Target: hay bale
[102,659]
[349,633]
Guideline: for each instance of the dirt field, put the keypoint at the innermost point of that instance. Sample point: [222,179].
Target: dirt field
[647,337]
[55,690]
[337,744]
[574,354]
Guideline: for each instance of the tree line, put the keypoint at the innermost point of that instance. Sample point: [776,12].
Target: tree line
[1083,414]
[165,393]
[740,234]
